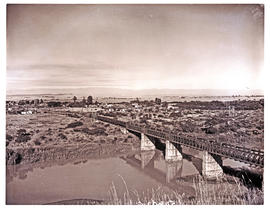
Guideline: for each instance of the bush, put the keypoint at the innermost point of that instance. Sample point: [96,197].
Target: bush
[23,136]
[233,128]
[37,142]
[21,131]
[54,104]
[210,130]
[8,137]
[74,124]
[62,136]
[187,127]
[12,158]
[73,115]
[96,131]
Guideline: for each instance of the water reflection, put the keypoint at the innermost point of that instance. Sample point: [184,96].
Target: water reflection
[153,164]
[17,171]
[32,184]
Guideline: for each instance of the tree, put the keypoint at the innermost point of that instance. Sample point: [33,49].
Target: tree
[83,101]
[89,100]
[54,104]
[74,99]
[158,101]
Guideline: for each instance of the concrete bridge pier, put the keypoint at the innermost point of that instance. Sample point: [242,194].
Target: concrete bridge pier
[146,143]
[211,166]
[172,153]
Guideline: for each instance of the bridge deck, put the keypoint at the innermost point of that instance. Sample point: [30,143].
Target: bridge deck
[242,154]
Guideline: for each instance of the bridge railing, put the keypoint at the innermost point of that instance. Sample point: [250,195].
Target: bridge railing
[243,154]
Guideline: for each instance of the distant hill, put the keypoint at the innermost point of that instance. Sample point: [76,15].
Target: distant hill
[138,93]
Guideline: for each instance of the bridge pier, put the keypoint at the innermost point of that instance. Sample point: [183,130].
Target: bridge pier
[172,153]
[146,143]
[211,166]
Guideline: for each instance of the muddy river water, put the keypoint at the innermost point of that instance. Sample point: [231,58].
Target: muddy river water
[93,178]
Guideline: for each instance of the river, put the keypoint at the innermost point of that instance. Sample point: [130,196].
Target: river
[93,178]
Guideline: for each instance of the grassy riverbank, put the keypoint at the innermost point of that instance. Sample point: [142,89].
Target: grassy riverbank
[220,193]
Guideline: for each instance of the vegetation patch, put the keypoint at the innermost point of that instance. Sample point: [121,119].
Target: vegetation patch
[62,136]
[98,131]
[23,136]
[37,142]
[9,138]
[13,158]
[74,124]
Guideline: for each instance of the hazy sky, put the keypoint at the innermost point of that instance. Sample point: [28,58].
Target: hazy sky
[134,46]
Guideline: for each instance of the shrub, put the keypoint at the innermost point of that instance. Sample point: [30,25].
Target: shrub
[54,104]
[12,158]
[73,115]
[23,136]
[21,131]
[96,131]
[8,137]
[210,130]
[74,124]
[233,128]
[187,127]
[62,136]
[37,142]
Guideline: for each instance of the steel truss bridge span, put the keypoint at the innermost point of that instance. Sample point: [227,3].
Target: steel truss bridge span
[249,156]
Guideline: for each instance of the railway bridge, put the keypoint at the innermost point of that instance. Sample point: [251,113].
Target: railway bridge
[212,151]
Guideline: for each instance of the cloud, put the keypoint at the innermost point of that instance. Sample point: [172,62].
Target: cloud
[134,46]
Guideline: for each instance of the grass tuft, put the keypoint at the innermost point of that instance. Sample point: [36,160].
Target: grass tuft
[220,193]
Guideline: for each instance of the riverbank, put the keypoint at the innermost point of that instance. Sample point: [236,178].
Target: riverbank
[57,136]
[116,177]
[228,192]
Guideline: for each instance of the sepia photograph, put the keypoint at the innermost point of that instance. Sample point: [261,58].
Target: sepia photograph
[134,104]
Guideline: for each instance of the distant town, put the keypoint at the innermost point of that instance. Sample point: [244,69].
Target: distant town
[231,120]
